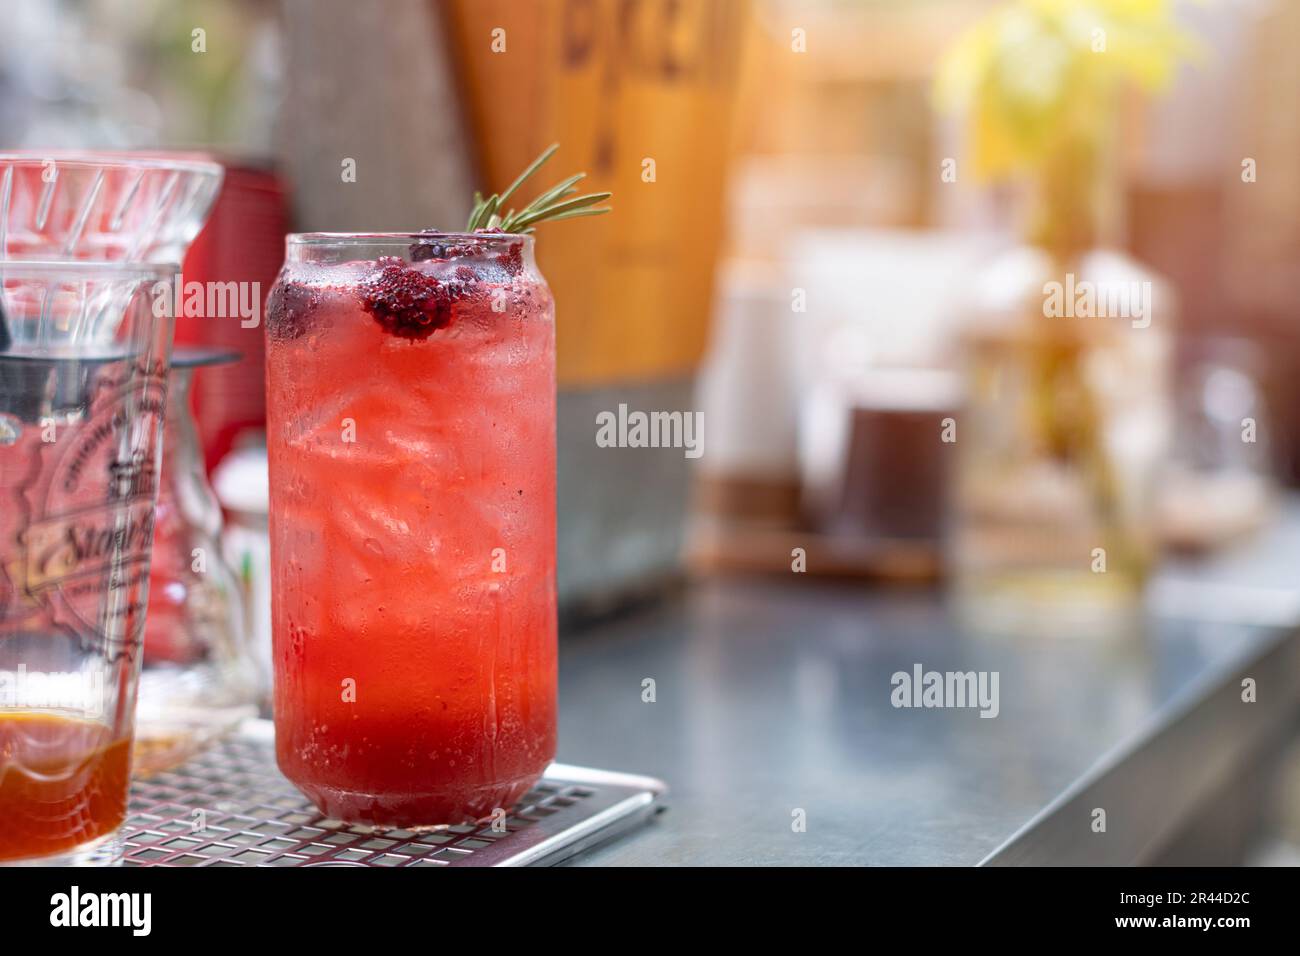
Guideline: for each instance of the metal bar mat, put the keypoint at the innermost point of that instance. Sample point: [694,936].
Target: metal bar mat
[231,806]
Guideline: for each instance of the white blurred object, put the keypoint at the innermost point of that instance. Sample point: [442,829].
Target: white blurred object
[242,485]
[747,381]
[880,298]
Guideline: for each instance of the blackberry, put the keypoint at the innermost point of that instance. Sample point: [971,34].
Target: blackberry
[408,303]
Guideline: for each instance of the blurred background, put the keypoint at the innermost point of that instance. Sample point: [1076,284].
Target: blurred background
[837,227]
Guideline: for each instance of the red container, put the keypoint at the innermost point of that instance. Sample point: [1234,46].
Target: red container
[243,242]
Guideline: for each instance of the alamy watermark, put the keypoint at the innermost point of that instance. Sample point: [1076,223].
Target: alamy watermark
[638,429]
[1084,299]
[81,691]
[133,911]
[209,300]
[946,689]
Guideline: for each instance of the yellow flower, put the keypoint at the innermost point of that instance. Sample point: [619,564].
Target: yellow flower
[1037,74]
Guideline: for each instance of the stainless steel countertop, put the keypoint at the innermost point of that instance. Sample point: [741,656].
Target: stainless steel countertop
[773,696]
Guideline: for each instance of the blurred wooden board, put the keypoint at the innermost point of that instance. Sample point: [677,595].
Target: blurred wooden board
[718,546]
[616,84]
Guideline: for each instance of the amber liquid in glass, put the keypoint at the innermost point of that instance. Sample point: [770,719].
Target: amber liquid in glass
[63,783]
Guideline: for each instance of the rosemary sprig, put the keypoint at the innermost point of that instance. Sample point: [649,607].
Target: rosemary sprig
[551,206]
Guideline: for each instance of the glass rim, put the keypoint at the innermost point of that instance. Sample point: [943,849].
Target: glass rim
[98,159]
[403,238]
[89,268]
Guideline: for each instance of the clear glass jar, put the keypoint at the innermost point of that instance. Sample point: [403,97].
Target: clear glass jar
[1059,446]
[198,680]
[411,438]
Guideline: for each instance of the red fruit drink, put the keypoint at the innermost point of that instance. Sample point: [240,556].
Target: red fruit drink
[411,432]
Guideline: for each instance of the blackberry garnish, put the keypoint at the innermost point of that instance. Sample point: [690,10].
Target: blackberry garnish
[408,303]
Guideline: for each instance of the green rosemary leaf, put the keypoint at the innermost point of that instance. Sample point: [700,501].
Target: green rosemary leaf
[550,212]
[557,202]
[489,210]
[532,168]
[576,213]
[557,191]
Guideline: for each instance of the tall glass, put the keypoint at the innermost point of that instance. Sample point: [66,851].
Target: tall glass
[411,434]
[83,376]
